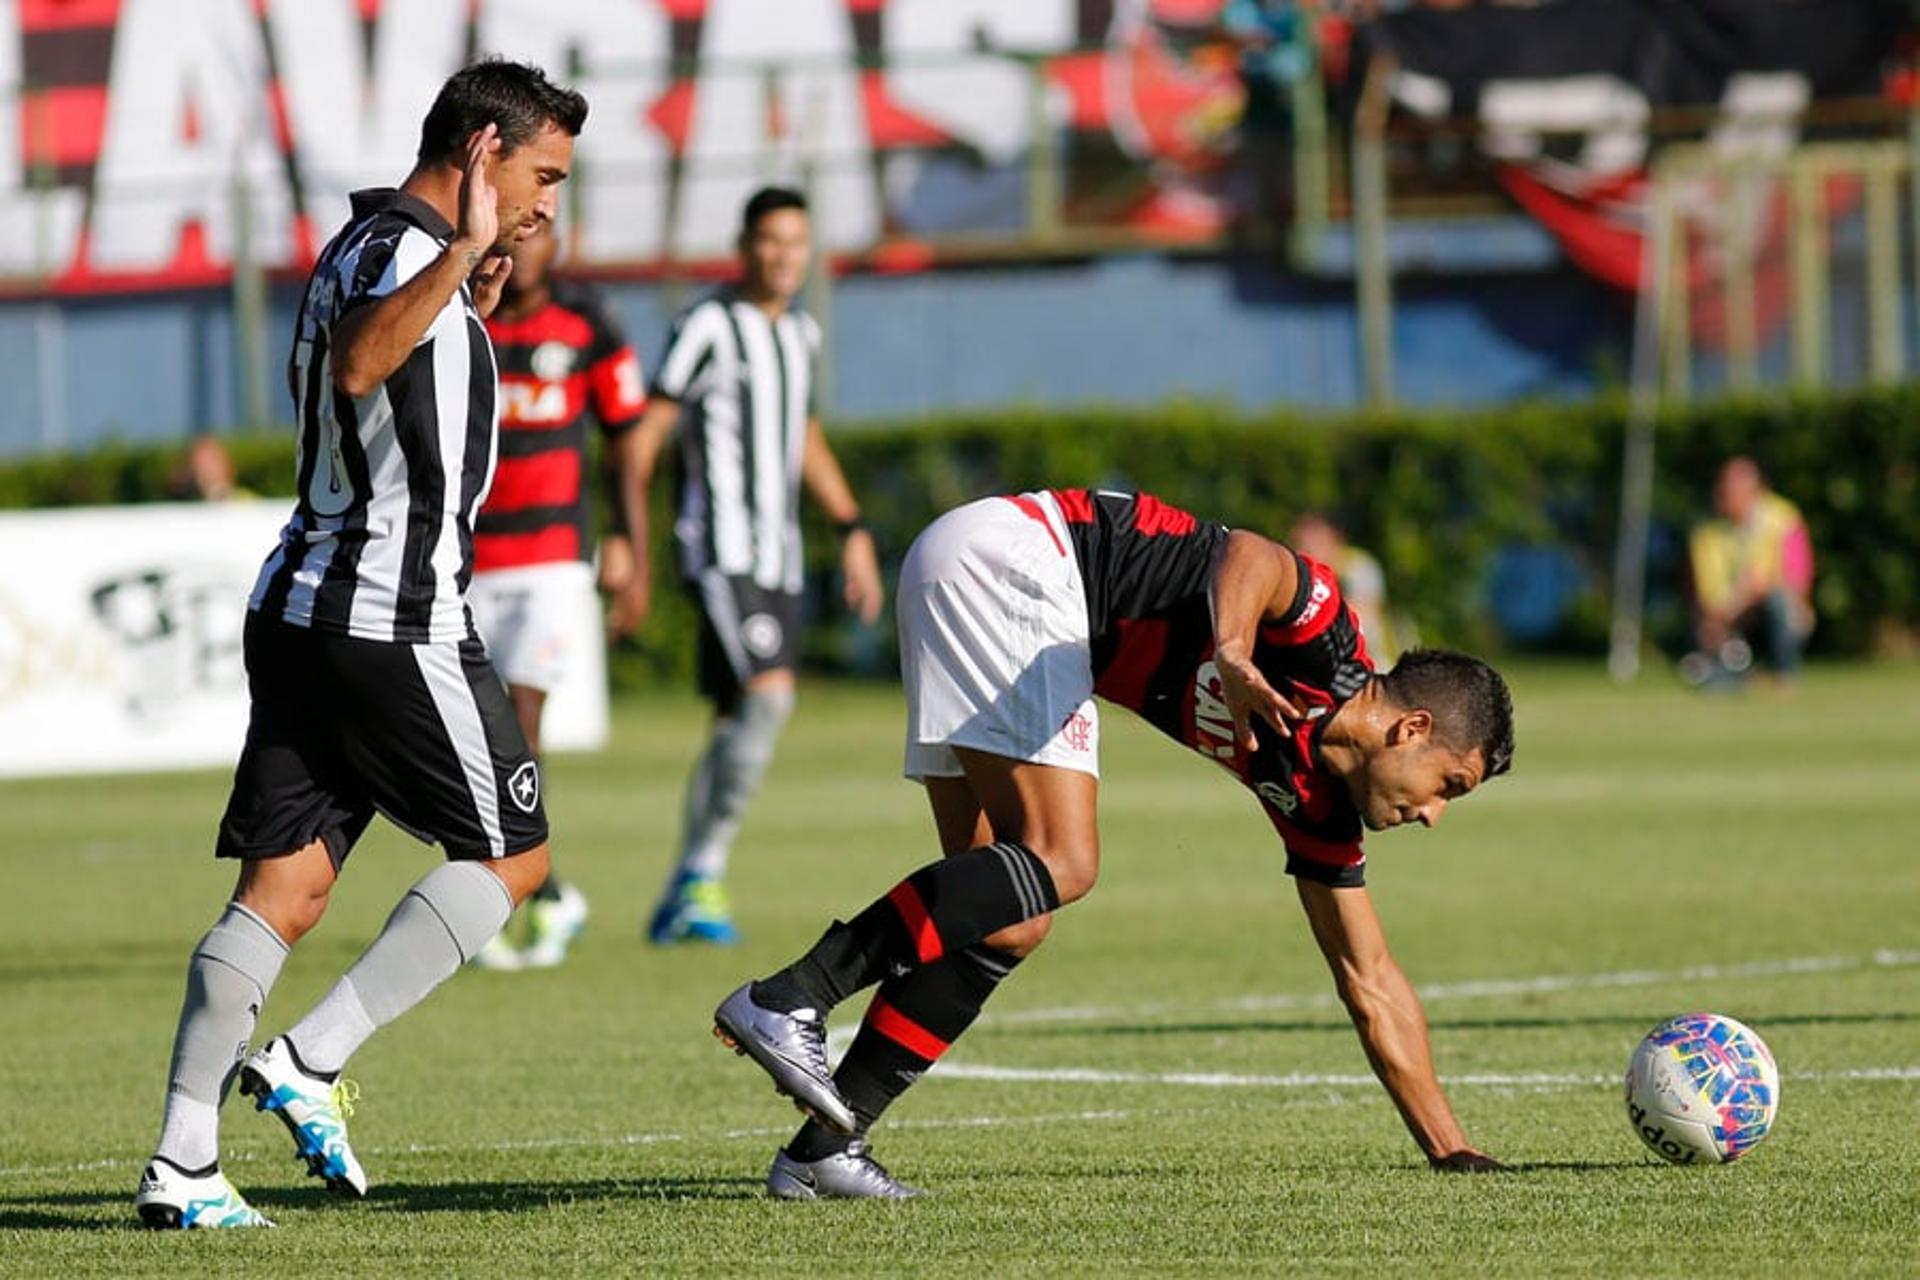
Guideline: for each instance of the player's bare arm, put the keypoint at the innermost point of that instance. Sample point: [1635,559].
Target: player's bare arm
[636,455]
[859,561]
[372,341]
[1392,1025]
[1254,578]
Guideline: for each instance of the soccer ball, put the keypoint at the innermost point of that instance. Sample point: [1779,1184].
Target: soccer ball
[1702,1089]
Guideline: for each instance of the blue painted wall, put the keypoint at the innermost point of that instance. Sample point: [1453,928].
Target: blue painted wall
[1117,330]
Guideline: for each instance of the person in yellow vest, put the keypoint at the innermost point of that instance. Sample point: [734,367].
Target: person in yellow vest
[1362,581]
[1752,580]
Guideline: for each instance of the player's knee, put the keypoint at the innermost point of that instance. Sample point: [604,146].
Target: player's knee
[1074,865]
[522,873]
[289,912]
[1021,940]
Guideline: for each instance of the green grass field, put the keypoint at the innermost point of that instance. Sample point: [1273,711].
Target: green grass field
[1653,852]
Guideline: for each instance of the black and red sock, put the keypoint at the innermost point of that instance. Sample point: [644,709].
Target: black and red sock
[940,910]
[913,1019]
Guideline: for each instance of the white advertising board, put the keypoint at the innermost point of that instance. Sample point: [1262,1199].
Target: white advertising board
[120,634]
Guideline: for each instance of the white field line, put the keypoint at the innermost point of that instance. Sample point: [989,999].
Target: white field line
[603,1141]
[1883,958]
[1530,1080]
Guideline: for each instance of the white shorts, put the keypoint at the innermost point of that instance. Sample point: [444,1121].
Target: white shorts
[994,650]
[535,619]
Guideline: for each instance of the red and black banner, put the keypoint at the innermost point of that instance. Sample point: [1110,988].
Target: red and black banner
[1569,95]
[140,127]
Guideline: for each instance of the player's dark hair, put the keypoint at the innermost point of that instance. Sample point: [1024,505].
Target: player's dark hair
[769,200]
[1467,698]
[514,95]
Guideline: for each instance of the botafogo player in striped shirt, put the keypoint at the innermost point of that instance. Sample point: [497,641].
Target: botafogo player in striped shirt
[736,380]
[370,689]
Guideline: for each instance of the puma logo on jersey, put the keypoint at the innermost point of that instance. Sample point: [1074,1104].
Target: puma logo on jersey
[1212,721]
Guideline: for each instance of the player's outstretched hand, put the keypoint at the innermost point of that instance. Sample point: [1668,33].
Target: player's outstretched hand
[1466,1160]
[860,563]
[1247,695]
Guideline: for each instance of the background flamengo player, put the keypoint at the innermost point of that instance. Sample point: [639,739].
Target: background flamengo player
[1015,612]
[563,364]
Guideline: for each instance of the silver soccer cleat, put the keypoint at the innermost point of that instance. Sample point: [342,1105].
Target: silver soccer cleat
[852,1174]
[790,1047]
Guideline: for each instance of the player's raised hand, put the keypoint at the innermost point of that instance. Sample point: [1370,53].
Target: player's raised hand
[1248,696]
[1466,1160]
[479,228]
[860,563]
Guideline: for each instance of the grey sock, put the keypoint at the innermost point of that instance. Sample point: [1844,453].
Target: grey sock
[727,776]
[228,978]
[449,915]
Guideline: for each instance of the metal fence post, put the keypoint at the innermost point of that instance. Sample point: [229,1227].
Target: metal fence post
[1045,214]
[1374,268]
[249,310]
[1886,335]
[1636,461]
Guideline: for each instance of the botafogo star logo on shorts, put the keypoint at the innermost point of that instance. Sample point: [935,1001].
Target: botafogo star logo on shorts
[524,786]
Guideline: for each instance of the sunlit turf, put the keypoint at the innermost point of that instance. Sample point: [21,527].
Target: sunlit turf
[1653,851]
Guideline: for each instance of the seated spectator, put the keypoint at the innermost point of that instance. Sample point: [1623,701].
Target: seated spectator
[207,474]
[1752,581]
[1362,581]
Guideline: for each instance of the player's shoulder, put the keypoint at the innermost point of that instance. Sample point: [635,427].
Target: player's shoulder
[711,305]
[388,216]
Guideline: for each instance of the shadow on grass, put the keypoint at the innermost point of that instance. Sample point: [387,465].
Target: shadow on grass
[512,1197]
[1578,1166]
[1275,1026]
[69,1211]
[113,1210]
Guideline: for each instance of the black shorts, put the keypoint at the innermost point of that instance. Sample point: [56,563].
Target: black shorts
[745,629]
[340,727]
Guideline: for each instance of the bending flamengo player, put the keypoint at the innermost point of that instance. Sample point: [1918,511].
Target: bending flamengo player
[369,688]
[1014,613]
[563,364]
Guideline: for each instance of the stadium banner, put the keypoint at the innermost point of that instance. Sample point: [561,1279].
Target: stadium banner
[128,126]
[120,633]
[1567,94]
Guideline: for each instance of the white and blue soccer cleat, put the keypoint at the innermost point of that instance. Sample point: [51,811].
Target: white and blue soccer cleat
[170,1198]
[314,1109]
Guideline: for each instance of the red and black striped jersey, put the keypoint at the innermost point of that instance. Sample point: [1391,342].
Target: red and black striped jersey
[559,366]
[1146,566]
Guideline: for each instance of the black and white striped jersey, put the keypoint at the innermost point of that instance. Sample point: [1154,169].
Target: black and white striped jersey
[380,544]
[744,382]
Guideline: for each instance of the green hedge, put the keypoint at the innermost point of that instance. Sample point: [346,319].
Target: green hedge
[1435,496]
